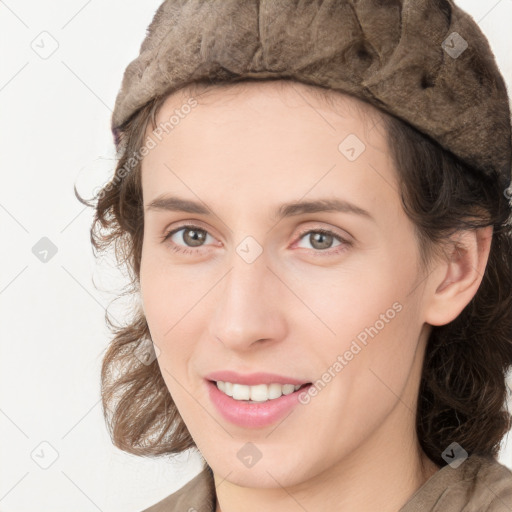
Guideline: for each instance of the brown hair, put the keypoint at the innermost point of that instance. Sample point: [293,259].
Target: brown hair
[463,388]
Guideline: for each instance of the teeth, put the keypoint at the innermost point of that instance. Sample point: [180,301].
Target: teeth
[258,393]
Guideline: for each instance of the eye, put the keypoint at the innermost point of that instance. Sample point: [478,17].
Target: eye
[194,238]
[193,235]
[322,239]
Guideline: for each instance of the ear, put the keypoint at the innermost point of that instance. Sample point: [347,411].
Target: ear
[456,279]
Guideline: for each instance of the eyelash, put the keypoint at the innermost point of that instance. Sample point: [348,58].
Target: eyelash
[345,244]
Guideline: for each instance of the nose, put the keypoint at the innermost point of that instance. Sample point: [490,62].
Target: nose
[249,306]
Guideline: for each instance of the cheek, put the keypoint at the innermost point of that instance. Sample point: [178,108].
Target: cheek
[377,323]
[372,332]
[371,301]
[165,309]
[165,294]
[367,369]
[173,309]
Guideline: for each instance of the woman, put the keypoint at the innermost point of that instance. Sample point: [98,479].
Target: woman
[312,199]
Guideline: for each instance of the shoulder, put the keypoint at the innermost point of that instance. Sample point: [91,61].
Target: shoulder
[479,483]
[494,483]
[196,495]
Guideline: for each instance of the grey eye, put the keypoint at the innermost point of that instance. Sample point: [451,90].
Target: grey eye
[194,237]
[321,240]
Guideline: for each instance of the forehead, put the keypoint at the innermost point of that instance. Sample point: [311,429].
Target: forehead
[292,93]
[279,114]
[254,143]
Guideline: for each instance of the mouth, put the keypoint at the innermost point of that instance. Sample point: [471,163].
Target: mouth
[272,402]
[258,393]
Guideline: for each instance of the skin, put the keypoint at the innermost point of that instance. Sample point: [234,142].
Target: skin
[297,306]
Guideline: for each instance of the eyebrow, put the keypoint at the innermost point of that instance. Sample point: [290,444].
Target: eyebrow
[178,204]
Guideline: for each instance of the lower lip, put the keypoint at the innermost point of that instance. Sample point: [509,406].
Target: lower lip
[253,415]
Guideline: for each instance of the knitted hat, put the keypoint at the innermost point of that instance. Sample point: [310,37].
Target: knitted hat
[424,61]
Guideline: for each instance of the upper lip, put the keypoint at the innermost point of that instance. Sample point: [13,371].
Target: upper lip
[251,379]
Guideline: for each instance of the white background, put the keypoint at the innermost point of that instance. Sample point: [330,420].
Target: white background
[55,132]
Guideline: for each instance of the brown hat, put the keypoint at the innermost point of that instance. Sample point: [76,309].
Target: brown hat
[424,61]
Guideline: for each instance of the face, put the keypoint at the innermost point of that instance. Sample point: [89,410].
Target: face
[330,297]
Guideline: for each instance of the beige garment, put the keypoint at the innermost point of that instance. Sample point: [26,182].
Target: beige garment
[479,484]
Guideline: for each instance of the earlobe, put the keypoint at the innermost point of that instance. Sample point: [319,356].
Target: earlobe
[459,276]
